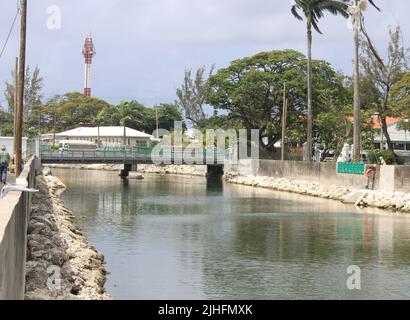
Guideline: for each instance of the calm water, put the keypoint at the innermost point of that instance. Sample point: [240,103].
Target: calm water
[187,238]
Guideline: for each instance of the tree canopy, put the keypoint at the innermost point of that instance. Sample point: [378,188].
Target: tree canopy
[251,91]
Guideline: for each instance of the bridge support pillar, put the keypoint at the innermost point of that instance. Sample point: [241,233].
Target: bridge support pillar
[126,171]
[215,170]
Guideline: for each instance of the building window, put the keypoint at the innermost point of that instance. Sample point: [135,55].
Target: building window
[399,146]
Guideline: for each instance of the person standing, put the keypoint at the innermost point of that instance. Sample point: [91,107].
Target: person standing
[382,161]
[4,164]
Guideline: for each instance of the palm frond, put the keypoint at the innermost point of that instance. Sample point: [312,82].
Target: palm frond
[374,5]
[314,10]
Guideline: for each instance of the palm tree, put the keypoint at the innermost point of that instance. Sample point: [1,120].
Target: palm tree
[125,113]
[98,121]
[313,11]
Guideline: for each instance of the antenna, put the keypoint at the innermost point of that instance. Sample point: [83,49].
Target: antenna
[88,53]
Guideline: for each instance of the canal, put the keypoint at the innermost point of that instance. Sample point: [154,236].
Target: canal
[182,237]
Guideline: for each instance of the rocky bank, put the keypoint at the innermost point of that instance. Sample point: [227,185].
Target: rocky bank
[142,168]
[61,265]
[396,201]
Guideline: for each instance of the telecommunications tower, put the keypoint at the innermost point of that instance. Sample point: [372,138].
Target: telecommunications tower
[88,53]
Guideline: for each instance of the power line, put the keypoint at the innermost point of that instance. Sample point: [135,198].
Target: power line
[11,30]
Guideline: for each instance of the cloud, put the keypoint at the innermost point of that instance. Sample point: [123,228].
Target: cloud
[143,46]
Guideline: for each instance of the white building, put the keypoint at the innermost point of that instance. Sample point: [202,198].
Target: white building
[400,138]
[109,136]
[28,146]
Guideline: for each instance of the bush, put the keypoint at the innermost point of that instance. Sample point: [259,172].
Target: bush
[389,157]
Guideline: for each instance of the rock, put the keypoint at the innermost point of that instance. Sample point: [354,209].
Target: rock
[57,248]
[393,201]
[136,176]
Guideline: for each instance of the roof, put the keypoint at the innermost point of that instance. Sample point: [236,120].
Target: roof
[389,121]
[376,121]
[396,135]
[104,132]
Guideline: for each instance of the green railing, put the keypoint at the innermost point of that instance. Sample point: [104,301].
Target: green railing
[130,151]
[351,168]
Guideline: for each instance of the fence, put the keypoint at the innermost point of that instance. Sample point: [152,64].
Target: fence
[14,215]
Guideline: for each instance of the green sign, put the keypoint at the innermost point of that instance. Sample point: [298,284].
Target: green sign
[351,168]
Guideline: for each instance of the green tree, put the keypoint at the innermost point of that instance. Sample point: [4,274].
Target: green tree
[66,112]
[251,91]
[6,123]
[313,11]
[356,12]
[168,114]
[99,121]
[34,84]
[125,112]
[191,96]
[400,96]
[381,76]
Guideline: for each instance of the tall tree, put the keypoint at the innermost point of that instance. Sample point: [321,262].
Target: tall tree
[68,111]
[99,121]
[383,75]
[400,97]
[33,87]
[191,96]
[125,112]
[168,114]
[356,12]
[313,11]
[251,91]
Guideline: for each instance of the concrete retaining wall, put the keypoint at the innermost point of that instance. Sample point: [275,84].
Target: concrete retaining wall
[323,173]
[402,178]
[14,215]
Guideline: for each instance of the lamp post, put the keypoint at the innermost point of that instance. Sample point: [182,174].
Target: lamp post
[406,123]
[356,14]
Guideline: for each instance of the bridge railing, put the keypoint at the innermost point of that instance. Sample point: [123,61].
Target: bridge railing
[140,154]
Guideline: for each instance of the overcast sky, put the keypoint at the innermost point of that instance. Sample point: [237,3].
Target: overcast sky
[144,46]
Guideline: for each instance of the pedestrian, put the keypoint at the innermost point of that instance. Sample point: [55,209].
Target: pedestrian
[4,164]
[370,175]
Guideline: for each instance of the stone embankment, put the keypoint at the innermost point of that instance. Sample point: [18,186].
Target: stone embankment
[143,168]
[174,169]
[384,200]
[101,167]
[378,199]
[61,265]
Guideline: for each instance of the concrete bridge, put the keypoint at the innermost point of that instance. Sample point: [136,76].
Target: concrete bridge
[130,158]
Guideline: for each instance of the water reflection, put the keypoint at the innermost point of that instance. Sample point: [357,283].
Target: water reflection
[174,237]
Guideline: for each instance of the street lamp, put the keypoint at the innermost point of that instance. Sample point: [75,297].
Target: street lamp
[406,122]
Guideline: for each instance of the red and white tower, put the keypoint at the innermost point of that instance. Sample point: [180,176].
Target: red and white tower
[88,53]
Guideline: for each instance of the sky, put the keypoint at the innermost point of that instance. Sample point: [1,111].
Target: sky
[144,46]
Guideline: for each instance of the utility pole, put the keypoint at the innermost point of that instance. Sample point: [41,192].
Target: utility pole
[284,123]
[18,130]
[16,85]
[356,103]
[156,117]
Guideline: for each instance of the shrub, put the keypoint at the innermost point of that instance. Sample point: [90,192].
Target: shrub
[388,156]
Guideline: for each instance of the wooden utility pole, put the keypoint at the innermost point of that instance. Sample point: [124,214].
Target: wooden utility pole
[284,123]
[356,102]
[18,130]
[156,117]
[16,85]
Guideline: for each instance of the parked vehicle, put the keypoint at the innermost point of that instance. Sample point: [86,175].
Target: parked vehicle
[77,146]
